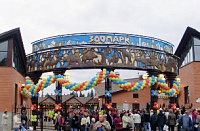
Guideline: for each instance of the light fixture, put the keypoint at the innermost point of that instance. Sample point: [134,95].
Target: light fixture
[23,84]
[144,76]
[159,91]
[162,76]
[99,99]
[178,80]
[67,75]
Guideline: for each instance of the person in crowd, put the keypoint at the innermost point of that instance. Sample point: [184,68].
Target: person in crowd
[75,122]
[183,110]
[186,122]
[79,120]
[198,120]
[59,121]
[142,118]
[23,126]
[24,118]
[161,120]
[166,113]
[194,119]
[118,123]
[70,117]
[5,121]
[178,115]
[154,120]
[102,124]
[146,120]
[110,119]
[125,121]
[16,121]
[96,116]
[88,120]
[137,121]
[131,122]
[171,120]
[151,112]
[84,123]
[92,124]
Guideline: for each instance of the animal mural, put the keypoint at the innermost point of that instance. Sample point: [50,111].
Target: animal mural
[88,56]
[101,56]
[171,64]
[126,55]
[150,60]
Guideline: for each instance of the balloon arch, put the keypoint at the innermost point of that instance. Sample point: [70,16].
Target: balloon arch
[106,51]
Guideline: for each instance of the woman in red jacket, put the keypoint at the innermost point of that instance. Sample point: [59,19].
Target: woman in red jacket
[59,121]
[118,123]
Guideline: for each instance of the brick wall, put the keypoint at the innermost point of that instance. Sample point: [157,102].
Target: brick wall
[190,76]
[8,78]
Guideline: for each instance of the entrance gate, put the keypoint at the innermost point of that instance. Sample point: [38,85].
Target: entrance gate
[99,50]
[45,120]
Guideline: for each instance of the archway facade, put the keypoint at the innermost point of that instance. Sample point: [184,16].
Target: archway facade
[106,51]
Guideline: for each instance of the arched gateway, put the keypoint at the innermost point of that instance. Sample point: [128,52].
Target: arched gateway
[108,51]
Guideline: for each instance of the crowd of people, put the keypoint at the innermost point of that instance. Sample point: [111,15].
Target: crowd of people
[119,120]
[137,120]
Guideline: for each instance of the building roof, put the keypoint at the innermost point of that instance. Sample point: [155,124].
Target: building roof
[189,32]
[93,101]
[68,99]
[83,100]
[16,34]
[100,89]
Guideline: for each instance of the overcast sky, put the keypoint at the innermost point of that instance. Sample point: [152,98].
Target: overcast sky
[164,19]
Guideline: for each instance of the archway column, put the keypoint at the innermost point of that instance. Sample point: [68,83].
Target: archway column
[170,77]
[153,72]
[35,77]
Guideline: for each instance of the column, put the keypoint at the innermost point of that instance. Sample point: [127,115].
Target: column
[170,78]
[35,76]
[153,72]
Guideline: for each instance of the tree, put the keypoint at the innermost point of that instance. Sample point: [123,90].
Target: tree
[81,95]
[76,94]
[88,94]
[92,93]
[47,95]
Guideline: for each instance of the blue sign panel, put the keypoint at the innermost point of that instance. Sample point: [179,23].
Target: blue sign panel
[102,38]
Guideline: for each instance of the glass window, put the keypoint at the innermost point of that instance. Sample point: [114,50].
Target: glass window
[191,54]
[196,41]
[4,46]
[186,91]
[3,58]
[197,53]
[135,96]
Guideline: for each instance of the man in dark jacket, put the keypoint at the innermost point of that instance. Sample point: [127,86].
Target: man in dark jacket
[147,121]
[110,119]
[161,120]
[154,121]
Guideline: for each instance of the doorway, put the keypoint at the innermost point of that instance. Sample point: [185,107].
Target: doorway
[135,106]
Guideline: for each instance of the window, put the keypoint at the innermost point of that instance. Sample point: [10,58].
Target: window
[197,53]
[4,46]
[17,60]
[196,41]
[3,53]
[186,91]
[135,96]
[187,55]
